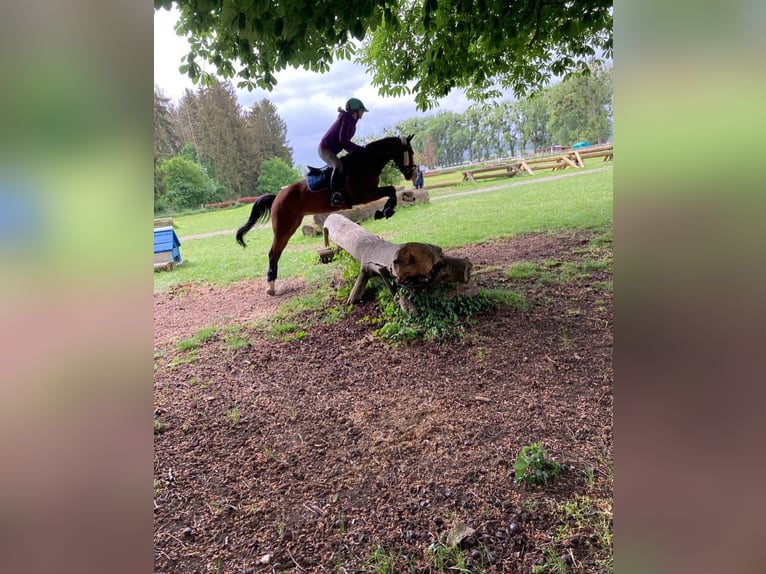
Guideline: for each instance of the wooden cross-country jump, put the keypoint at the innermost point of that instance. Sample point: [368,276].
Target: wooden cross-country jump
[416,266]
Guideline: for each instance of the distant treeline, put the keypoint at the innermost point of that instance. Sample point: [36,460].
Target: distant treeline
[578,109]
[208,149]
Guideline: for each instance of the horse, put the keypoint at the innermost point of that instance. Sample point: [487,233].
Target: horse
[362,175]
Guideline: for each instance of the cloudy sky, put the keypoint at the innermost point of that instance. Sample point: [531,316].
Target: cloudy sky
[306,101]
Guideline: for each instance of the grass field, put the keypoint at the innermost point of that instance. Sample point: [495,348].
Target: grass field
[449,220]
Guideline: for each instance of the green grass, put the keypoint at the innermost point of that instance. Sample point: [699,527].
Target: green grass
[313,299]
[221,261]
[199,337]
[287,331]
[553,271]
[234,415]
[589,518]
[235,338]
[582,201]
[212,220]
[528,270]
[455,178]
[383,560]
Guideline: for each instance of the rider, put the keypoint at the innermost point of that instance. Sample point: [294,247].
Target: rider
[338,138]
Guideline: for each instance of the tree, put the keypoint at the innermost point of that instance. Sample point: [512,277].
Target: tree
[188,186]
[269,130]
[472,121]
[428,154]
[533,116]
[220,136]
[425,47]
[166,140]
[228,142]
[274,174]
[580,108]
[511,133]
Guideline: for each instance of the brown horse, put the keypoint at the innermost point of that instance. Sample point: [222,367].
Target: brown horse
[362,169]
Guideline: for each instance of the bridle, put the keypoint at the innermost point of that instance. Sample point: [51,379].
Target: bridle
[408,166]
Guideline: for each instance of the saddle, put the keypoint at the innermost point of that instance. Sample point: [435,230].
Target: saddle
[318,178]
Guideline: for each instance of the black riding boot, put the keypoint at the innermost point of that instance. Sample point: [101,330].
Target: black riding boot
[336,187]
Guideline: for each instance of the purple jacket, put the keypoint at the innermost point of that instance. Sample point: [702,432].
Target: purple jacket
[338,137]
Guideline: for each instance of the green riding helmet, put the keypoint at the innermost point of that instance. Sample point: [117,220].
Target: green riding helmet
[355,104]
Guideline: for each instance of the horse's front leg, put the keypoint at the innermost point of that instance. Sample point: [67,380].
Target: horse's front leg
[388,207]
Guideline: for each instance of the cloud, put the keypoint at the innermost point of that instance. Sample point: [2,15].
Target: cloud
[306,101]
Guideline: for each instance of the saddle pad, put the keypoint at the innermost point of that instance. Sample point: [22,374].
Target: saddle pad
[317,181]
[318,178]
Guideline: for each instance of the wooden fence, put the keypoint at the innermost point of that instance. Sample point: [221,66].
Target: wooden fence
[570,158]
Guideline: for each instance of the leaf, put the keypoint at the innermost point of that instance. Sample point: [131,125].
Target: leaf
[460,531]
[357,30]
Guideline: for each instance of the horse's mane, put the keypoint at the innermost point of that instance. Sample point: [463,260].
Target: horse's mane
[383,142]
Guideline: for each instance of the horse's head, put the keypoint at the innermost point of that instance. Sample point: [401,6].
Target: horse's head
[405,162]
[378,153]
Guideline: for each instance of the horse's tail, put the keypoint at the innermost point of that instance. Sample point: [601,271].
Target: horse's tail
[261,211]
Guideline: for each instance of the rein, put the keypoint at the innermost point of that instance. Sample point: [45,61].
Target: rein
[407,164]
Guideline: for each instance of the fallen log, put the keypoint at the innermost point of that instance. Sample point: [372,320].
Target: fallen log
[415,266]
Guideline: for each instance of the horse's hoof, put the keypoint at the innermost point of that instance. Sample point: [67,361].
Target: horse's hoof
[379,214]
[270,289]
[388,213]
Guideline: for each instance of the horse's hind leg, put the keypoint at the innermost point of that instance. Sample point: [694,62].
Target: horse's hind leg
[282,234]
[271,274]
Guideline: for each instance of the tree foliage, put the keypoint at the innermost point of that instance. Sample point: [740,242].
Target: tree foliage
[188,186]
[269,132]
[166,140]
[580,108]
[574,109]
[229,144]
[275,174]
[533,120]
[506,128]
[215,120]
[424,47]
[483,45]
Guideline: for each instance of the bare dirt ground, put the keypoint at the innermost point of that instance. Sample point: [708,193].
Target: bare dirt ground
[336,452]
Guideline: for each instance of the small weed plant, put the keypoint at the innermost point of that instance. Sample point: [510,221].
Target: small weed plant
[383,560]
[440,314]
[587,519]
[534,467]
[199,337]
[447,558]
[185,358]
[288,331]
[553,564]
[439,317]
[236,338]
[234,416]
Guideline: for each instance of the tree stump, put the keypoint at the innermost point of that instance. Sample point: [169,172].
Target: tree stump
[416,266]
